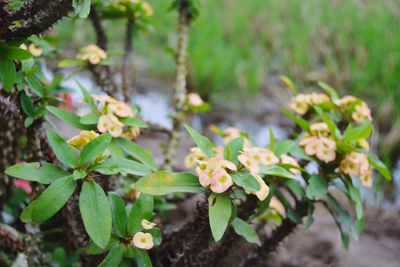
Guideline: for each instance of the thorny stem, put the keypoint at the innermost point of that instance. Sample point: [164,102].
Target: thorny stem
[126,70]
[180,84]
[258,257]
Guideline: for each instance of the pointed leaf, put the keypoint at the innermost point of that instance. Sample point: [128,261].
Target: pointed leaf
[118,165]
[201,141]
[246,230]
[165,182]
[219,211]
[137,152]
[44,173]
[53,199]
[8,74]
[94,148]
[246,180]
[64,152]
[118,213]
[70,118]
[114,257]
[96,213]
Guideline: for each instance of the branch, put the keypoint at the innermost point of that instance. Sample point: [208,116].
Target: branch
[36,17]
[278,235]
[102,41]
[126,70]
[180,83]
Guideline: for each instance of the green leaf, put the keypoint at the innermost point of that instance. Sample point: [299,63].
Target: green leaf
[94,148]
[246,180]
[272,140]
[357,133]
[142,258]
[244,229]
[115,150]
[90,119]
[118,213]
[35,85]
[96,213]
[331,124]
[8,74]
[114,257]
[69,63]
[278,171]
[79,174]
[28,121]
[219,212]
[69,118]
[93,249]
[165,182]
[137,152]
[87,97]
[84,9]
[201,141]
[53,199]
[157,235]
[233,149]
[310,217]
[134,122]
[379,165]
[302,123]
[283,147]
[118,165]
[27,105]
[64,152]
[17,53]
[142,209]
[317,187]
[329,90]
[44,173]
[26,215]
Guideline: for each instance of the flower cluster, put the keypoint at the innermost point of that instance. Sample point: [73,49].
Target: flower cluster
[253,157]
[196,155]
[112,111]
[214,173]
[357,164]
[360,111]
[319,142]
[92,53]
[144,240]
[302,102]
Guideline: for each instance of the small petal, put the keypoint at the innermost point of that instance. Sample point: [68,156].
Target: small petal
[148,225]
[143,240]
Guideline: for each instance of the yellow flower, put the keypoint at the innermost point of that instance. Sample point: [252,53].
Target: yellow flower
[82,139]
[253,157]
[143,240]
[299,104]
[324,148]
[35,50]
[147,225]
[92,53]
[319,129]
[345,101]
[120,109]
[132,133]
[110,123]
[363,143]
[357,164]
[361,113]
[194,156]
[213,172]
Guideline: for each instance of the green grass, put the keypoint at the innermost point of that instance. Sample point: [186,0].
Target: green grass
[236,45]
